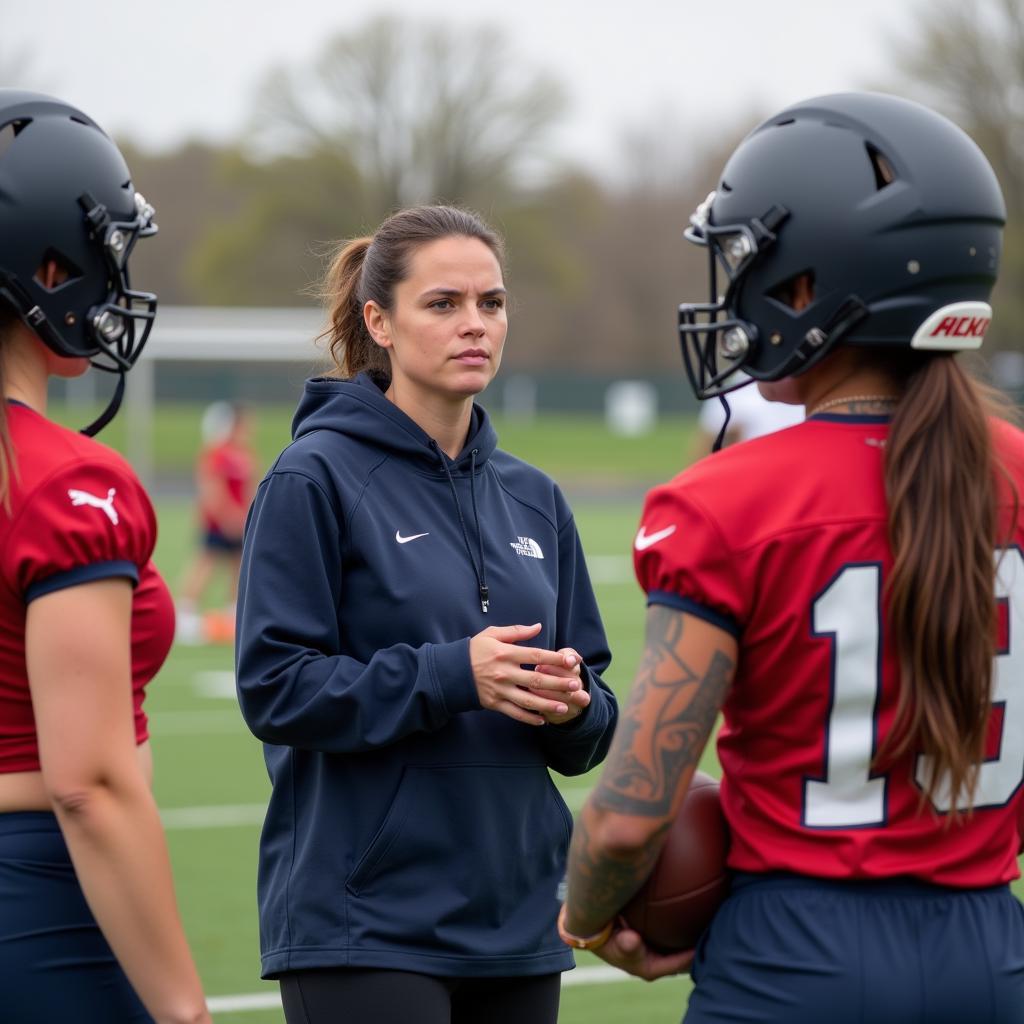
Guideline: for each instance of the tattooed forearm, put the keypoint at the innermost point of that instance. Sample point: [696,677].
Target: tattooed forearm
[671,711]
[600,885]
[666,723]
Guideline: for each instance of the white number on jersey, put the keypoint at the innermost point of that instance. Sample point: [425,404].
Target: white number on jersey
[849,612]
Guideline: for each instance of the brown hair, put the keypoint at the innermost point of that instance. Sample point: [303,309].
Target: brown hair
[941,479]
[8,464]
[365,269]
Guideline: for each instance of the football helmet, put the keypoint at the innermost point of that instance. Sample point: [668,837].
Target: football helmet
[885,214]
[66,198]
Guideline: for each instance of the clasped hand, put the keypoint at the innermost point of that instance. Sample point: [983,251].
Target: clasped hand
[551,692]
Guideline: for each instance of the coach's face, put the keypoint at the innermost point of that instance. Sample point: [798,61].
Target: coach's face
[446,329]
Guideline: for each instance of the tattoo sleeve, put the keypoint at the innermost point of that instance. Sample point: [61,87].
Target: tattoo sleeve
[684,674]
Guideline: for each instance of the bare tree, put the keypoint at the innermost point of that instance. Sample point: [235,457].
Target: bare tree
[966,58]
[425,111]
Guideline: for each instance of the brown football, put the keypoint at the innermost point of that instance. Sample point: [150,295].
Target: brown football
[689,880]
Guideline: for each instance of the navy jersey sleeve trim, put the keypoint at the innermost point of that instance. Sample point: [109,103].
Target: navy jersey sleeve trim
[685,604]
[83,574]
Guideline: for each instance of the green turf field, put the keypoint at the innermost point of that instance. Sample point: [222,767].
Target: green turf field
[572,448]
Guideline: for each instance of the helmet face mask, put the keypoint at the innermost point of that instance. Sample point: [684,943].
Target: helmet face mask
[120,325]
[716,344]
[887,209]
[66,199]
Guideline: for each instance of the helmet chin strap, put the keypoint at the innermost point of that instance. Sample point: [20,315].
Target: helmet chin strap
[720,440]
[110,412]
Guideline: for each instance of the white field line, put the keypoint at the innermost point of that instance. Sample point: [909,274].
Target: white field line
[272,1000]
[610,568]
[213,816]
[242,1004]
[218,684]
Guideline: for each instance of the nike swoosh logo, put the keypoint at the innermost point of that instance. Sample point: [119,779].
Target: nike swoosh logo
[645,540]
[415,536]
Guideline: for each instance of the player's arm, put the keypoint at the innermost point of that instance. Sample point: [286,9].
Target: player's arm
[78,655]
[684,675]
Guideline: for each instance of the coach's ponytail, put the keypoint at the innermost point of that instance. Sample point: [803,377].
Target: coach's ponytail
[942,487]
[368,269]
[352,348]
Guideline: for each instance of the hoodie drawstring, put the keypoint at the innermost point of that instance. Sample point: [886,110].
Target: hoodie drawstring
[484,592]
[481,572]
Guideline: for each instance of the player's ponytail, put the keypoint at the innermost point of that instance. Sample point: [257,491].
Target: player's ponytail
[942,485]
[368,269]
[8,466]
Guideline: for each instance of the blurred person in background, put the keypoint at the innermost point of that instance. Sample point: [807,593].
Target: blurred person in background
[89,927]
[850,592]
[225,482]
[418,643]
[750,415]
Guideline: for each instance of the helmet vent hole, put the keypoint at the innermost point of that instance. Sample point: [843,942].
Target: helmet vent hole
[883,170]
[55,270]
[785,121]
[8,133]
[79,120]
[796,293]
[725,186]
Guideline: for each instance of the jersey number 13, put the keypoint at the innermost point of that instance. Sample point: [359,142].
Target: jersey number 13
[849,613]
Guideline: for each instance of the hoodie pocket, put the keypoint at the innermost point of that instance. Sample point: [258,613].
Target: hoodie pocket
[466,845]
[390,829]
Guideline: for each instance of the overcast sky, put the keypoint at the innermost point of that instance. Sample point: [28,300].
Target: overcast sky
[160,71]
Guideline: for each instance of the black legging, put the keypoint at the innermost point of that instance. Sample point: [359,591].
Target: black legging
[355,996]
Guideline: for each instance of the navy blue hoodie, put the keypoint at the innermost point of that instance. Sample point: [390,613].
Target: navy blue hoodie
[408,827]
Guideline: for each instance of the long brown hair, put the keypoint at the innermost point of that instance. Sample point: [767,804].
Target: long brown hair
[942,483]
[8,464]
[365,269]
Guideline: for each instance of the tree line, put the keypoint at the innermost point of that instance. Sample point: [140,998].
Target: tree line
[399,112]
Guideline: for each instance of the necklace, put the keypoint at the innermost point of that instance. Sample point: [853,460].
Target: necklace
[848,399]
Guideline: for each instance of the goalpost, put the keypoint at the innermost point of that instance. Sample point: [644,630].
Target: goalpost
[204,334]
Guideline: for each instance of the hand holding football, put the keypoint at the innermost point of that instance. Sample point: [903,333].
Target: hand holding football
[689,880]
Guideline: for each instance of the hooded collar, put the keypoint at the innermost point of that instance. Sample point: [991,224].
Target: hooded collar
[358,409]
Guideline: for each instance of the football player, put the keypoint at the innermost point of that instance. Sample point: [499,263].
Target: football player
[849,592]
[89,928]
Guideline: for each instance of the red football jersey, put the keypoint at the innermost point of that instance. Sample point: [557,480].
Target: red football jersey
[78,513]
[235,467]
[783,542]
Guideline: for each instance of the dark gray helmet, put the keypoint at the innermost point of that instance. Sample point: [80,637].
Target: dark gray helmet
[66,196]
[890,208]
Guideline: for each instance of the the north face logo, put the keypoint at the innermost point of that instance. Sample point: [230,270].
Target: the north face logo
[527,547]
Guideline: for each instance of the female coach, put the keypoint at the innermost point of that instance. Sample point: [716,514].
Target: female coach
[418,643]
[89,929]
[849,591]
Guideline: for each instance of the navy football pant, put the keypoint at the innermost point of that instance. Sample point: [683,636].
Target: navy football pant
[347,995]
[795,950]
[55,964]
